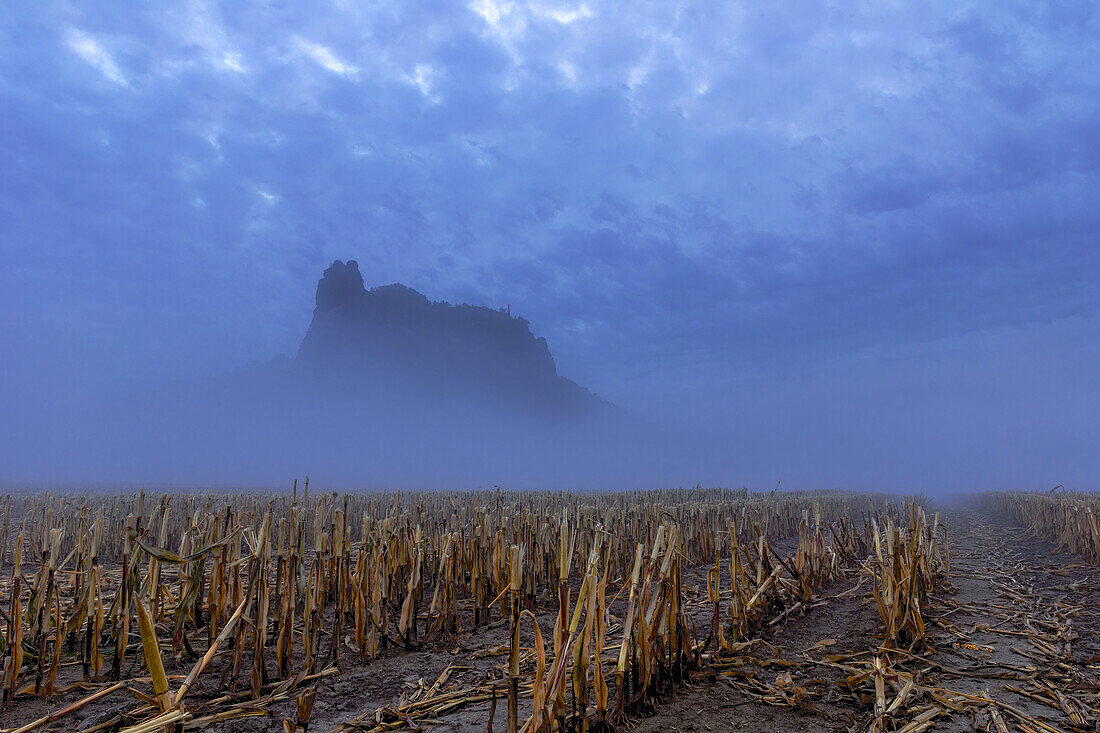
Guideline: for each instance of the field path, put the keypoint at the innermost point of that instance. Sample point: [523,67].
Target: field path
[1032,615]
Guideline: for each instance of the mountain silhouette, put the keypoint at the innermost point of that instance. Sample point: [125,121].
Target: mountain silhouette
[393,337]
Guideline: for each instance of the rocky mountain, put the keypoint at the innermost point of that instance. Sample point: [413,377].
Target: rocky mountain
[394,339]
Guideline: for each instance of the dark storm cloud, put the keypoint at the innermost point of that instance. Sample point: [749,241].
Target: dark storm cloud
[662,189]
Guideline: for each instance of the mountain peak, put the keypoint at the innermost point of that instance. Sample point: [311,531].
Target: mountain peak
[340,284]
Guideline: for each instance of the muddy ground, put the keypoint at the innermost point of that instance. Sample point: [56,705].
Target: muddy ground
[1031,615]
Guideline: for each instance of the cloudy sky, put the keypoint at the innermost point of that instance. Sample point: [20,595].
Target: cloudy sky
[856,242]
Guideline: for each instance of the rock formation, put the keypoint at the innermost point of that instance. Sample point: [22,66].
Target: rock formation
[393,337]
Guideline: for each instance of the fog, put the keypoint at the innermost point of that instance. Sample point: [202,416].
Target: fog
[1009,410]
[264,433]
[850,247]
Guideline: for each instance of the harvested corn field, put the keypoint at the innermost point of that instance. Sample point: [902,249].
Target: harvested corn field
[670,610]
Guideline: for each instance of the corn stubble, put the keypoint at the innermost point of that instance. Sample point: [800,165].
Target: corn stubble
[266,596]
[1070,520]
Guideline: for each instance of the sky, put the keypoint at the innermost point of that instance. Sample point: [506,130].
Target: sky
[851,243]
